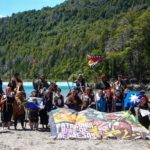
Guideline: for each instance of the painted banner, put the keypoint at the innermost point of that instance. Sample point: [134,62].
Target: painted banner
[92,124]
[62,123]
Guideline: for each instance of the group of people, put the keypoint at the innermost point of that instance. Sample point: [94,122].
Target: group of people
[12,102]
[108,97]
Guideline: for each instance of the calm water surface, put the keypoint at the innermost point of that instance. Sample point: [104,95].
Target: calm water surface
[65,87]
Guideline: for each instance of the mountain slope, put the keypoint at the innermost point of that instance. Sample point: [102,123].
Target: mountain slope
[55,41]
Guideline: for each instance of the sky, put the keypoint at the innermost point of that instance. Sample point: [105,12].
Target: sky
[7,7]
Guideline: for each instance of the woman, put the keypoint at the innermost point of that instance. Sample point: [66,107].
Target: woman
[73,101]
[6,107]
[143,105]
[58,99]
[19,109]
[87,98]
[47,102]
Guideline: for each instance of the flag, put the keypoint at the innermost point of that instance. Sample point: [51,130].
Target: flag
[132,99]
[35,103]
[93,60]
[32,105]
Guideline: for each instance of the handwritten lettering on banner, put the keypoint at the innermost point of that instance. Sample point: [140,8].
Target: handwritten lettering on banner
[84,131]
[64,130]
[91,124]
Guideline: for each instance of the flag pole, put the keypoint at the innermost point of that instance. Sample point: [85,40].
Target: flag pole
[68,81]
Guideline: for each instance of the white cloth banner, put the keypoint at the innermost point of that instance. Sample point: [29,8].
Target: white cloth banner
[144,112]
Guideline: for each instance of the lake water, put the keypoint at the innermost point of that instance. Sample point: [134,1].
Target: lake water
[65,87]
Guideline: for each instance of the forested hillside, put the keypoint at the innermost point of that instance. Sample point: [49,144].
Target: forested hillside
[55,41]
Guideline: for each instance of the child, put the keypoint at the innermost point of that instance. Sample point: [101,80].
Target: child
[100,101]
[58,99]
[33,116]
[118,101]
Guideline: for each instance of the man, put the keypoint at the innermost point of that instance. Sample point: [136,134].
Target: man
[103,84]
[14,81]
[120,84]
[80,82]
[40,85]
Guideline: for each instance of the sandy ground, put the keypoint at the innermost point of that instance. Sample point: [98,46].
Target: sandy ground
[41,140]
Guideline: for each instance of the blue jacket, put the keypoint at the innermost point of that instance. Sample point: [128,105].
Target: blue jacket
[101,104]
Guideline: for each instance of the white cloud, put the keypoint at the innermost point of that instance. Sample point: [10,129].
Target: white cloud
[1,16]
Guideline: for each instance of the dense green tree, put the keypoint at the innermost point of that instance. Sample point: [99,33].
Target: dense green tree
[55,41]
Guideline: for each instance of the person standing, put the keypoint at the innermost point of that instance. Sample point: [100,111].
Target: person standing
[103,84]
[144,105]
[33,115]
[1,86]
[40,85]
[118,101]
[6,107]
[58,99]
[109,99]
[80,83]
[101,104]
[43,113]
[73,101]
[19,109]
[14,81]
[87,98]
[120,84]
